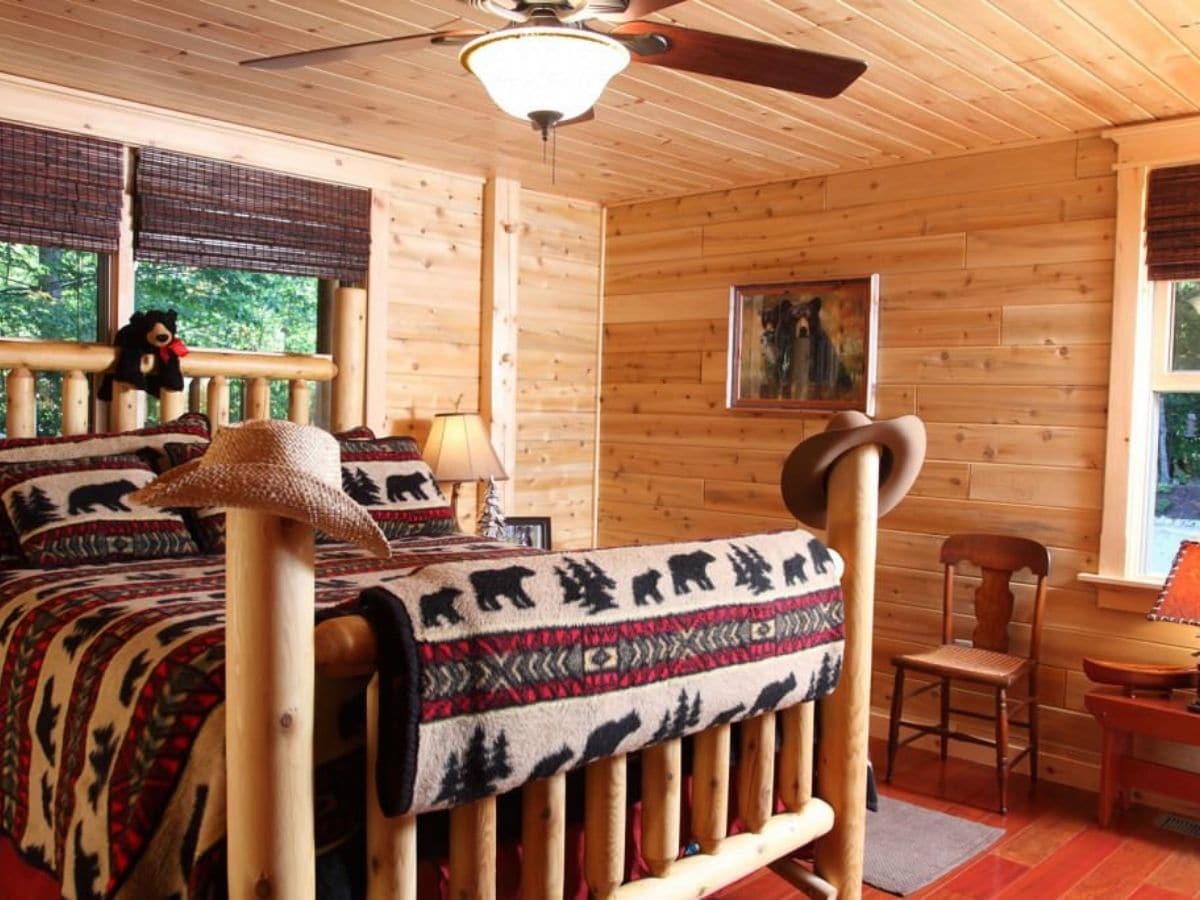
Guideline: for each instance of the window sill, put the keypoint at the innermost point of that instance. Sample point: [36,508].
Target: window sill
[1134,595]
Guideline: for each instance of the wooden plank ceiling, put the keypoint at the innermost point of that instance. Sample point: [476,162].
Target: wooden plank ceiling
[945,77]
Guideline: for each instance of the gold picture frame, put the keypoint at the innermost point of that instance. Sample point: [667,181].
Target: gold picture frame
[803,346]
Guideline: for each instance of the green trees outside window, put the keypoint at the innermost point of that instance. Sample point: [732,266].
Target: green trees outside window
[234,310]
[1176,513]
[49,293]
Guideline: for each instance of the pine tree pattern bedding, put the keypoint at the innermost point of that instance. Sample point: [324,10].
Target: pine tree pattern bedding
[112,683]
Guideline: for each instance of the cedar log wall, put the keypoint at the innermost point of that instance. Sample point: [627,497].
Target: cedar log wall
[996,284]
[434,331]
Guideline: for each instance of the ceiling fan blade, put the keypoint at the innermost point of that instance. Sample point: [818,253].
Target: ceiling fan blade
[353,51]
[610,10]
[739,59]
[586,116]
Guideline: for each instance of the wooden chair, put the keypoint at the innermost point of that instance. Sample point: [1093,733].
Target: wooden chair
[987,660]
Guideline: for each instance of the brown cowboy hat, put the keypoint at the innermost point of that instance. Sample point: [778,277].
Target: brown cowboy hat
[805,476]
[274,466]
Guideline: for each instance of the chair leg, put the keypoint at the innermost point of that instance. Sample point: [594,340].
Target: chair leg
[1033,728]
[945,723]
[894,722]
[1002,747]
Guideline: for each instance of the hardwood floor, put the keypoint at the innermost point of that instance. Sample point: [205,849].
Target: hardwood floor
[1052,846]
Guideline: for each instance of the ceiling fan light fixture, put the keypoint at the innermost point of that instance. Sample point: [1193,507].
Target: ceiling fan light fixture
[530,70]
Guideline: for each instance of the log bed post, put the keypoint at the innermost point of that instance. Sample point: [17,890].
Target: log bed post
[269,706]
[845,716]
[171,405]
[349,352]
[22,403]
[74,402]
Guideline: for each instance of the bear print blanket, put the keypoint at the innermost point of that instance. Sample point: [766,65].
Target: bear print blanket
[499,672]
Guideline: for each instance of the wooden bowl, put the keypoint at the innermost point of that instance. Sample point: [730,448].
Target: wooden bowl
[1139,675]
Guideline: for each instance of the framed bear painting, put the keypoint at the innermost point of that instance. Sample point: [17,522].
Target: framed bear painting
[803,346]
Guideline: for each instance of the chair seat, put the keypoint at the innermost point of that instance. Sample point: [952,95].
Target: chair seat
[951,660]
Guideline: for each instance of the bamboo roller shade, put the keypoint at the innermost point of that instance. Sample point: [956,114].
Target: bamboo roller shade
[200,212]
[59,190]
[1173,223]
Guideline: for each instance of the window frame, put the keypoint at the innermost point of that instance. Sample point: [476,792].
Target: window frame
[1133,362]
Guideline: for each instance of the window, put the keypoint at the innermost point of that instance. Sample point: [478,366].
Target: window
[60,218]
[205,232]
[1152,459]
[1174,424]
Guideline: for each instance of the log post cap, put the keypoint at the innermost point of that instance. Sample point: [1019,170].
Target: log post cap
[805,477]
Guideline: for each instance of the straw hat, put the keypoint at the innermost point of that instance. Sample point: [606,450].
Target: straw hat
[805,476]
[274,466]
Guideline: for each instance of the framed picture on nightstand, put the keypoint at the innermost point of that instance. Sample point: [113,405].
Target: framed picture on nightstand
[528,531]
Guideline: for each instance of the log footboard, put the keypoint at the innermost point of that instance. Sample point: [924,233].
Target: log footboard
[764,778]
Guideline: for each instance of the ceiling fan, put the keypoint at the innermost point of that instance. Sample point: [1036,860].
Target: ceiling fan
[553,59]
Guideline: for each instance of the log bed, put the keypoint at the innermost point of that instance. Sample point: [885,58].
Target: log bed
[273,655]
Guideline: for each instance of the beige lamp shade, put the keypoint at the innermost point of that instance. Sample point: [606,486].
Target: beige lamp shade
[459,449]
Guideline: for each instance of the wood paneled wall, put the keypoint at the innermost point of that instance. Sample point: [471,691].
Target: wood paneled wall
[558,361]
[996,287]
[434,336]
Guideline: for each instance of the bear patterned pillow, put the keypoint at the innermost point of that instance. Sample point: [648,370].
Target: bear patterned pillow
[188,428]
[206,522]
[389,477]
[74,511]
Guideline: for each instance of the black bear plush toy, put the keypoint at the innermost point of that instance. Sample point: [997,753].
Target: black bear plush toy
[148,333]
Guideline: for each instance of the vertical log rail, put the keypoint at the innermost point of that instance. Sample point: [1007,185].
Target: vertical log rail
[74,402]
[391,843]
[298,403]
[218,402]
[756,771]
[123,411]
[171,405]
[349,353]
[269,706]
[710,788]
[195,394]
[662,781]
[473,850]
[604,826]
[544,837]
[22,404]
[795,757]
[842,766]
[258,398]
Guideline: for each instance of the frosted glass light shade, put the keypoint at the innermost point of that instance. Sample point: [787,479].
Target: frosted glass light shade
[458,449]
[535,69]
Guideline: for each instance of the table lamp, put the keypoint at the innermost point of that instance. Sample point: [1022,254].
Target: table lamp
[1179,600]
[458,450]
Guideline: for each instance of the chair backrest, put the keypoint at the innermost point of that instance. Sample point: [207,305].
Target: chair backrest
[998,556]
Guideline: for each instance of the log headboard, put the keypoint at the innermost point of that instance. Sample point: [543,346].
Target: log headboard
[210,373]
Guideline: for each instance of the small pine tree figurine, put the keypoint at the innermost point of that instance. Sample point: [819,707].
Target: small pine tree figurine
[491,520]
